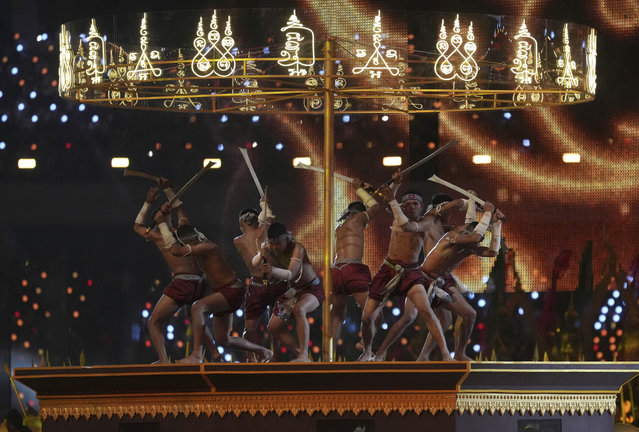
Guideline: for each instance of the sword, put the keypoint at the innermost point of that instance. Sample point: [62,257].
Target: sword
[436,179]
[131,173]
[189,183]
[321,170]
[252,171]
[424,160]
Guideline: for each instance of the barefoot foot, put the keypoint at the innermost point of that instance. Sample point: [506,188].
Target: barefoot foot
[264,356]
[365,357]
[190,359]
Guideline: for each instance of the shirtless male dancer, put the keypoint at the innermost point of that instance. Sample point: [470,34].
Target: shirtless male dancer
[400,272]
[455,246]
[285,259]
[186,286]
[261,294]
[228,291]
[434,223]
[350,275]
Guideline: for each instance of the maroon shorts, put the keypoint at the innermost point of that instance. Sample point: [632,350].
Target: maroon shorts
[315,288]
[184,291]
[449,284]
[259,297]
[351,278]
[233,293]
[412,276]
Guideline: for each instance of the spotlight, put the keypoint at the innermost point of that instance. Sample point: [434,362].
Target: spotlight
[224,118]
[476,348]
[33,94]
[45,36]
[481,159]
[145,313]
[170,336]
[534,295]
[255,119]
[150,153]
[19,47]
[119,162]
[611,302]
[34,118]
[170,328]
[571,157]
[484,279]
[266,50]
[597,325]
[95,118]
[396,312]
[279,146]
[604,309]
[346,118]
[384,118]
[81,107]
[526,142]
[471,295]
[26,163]
[53,107]
[3,145]
[520,311]
[618,309]
[217,163]
[1,93]
[602,318]
[481,303]
[507,115]
[301,160]
[4,118]
[615,293]
[254,145]
[20,106]
[239,313]
[220,147]
[220,349]
[14,70]
[384,326]
[392,161]
[616,318]
[64,118]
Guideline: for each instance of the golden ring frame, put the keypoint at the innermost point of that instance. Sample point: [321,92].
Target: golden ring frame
[279,93]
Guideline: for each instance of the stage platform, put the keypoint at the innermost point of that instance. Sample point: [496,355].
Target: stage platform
[322,397]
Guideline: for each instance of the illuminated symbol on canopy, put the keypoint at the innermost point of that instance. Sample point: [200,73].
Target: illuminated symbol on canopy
[64,70]
[180,89]
[210,59]
[452,62]
[526,58]
[376,62]
[567,64]
[296,33]
[248,86]
[316,102]
[144,68]
[96,63]
[80,77]
[117,76]
[591,59]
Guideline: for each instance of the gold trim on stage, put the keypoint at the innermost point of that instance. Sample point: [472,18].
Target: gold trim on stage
[239,404]
[512,403]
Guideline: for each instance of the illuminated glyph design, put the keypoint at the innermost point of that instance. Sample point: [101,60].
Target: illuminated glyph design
[296,33]
[526,67]
[79,65]
[316,102]
[249,87]
[64,68]
[117,74]
[376,63]
[452,62]
[144,67]
[96,62]
[591,61]
[566,64]
[181,102]
[526,58]
[214,57]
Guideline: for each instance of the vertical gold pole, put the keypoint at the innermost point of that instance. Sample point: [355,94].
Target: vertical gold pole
[329,134]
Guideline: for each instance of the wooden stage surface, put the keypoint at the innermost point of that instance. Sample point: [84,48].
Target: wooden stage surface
[364,397]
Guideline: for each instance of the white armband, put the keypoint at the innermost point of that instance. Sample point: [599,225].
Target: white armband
[281,273]
[167,235]
[265,214]
[398,214]
[257,260]
[471,212]
[495,241]
[142,215]
[169,195]
[368,199]
[465,205]
[482,226]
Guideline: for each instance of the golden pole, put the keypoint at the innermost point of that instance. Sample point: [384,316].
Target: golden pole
[329,134]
